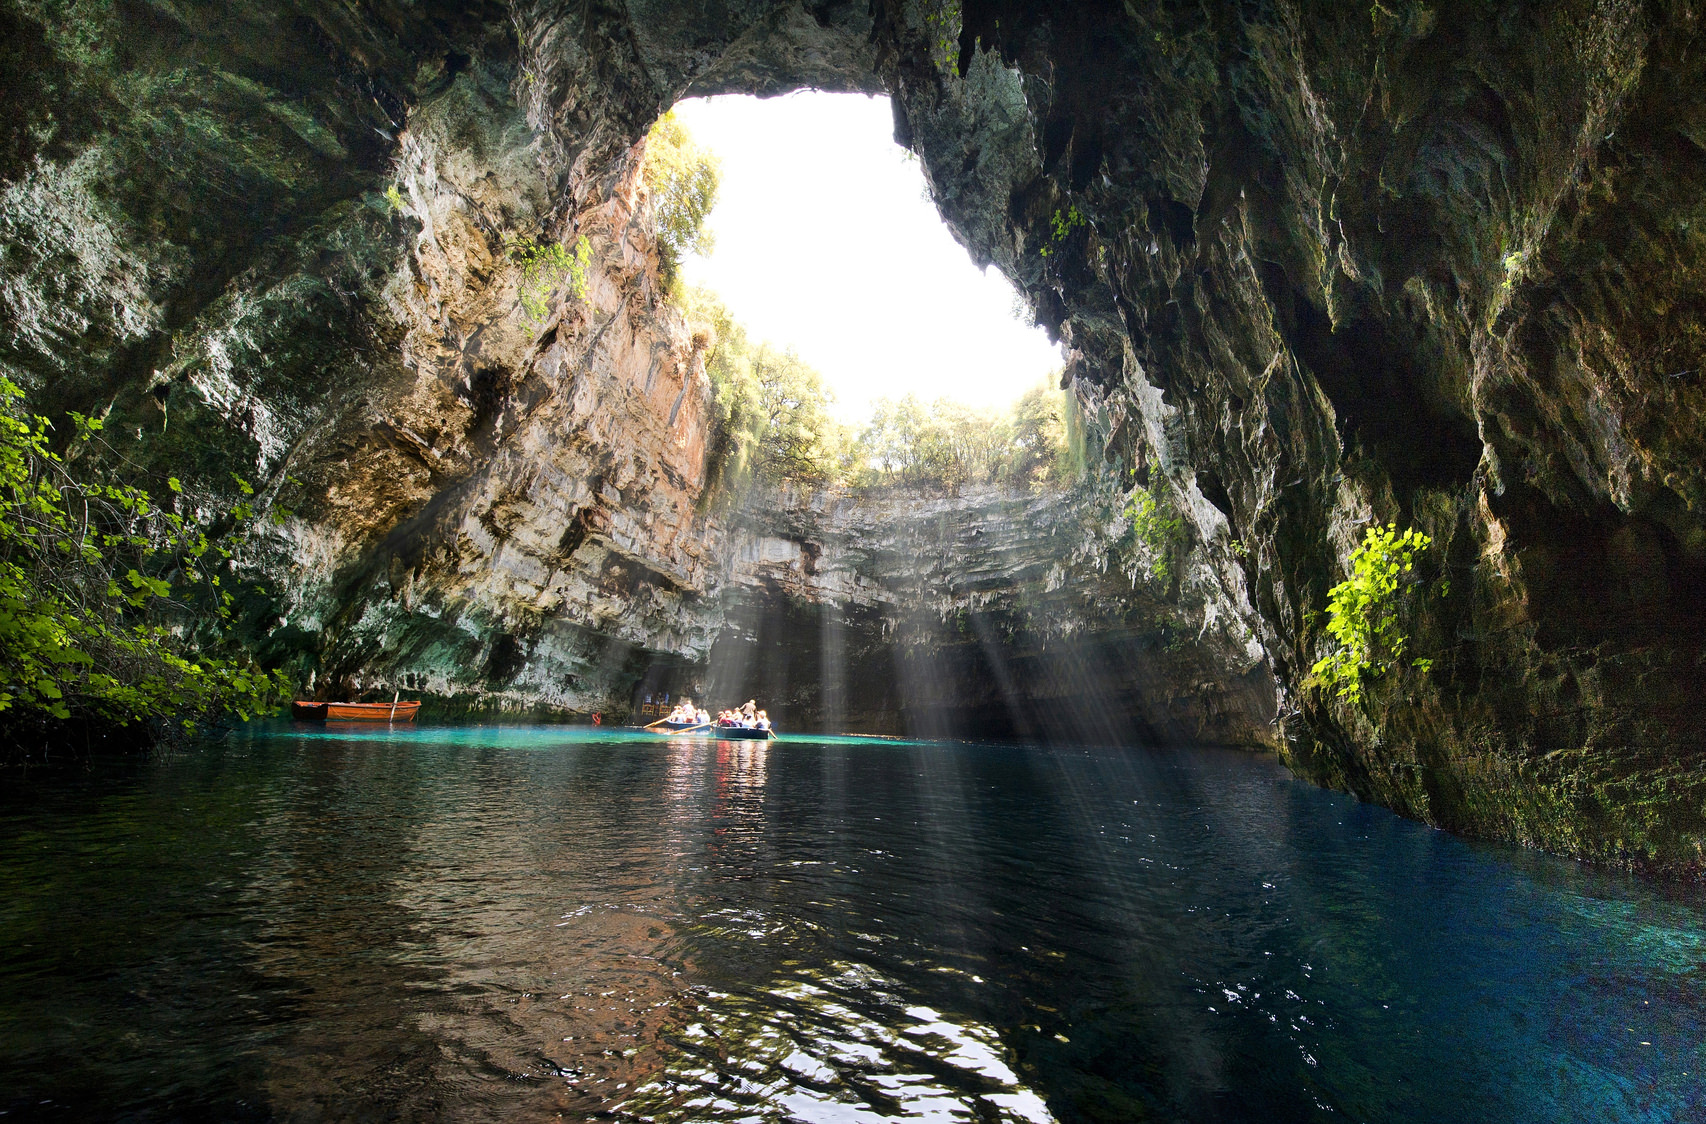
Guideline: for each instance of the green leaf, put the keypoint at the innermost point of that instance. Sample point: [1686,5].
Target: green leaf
[1362,611]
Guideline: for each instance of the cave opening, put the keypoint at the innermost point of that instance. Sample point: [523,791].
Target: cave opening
[909,466]
[825,240]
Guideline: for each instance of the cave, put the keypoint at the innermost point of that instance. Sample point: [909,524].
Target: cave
[1315,270]
[307,285]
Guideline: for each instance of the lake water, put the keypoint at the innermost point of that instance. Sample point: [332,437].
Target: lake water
[534,923]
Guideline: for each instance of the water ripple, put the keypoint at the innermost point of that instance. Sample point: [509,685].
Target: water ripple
[538,924]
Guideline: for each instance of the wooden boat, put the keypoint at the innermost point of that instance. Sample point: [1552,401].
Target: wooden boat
[359,712]
[671,727]
[740,733]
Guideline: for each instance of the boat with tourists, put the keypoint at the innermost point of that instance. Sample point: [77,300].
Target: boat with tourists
[741,733]
[397,710]
[744,723]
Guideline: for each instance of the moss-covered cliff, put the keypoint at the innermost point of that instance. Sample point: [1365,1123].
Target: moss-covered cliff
[1318,264]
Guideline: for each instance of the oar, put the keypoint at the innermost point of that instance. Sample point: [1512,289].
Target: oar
[659,722]
[689,730]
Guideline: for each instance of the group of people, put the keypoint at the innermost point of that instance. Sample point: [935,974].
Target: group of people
[685,712]
[747,717]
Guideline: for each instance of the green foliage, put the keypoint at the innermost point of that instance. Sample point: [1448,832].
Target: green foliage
[100,591]
[682,178]
[1513,263]
[798,439]
[771,409]
[946,445]
[943,445]
[1362,611]
[1062,224]
[735,432]
[1383,18]
[1156,526]
[941,19]
[395,198]
[1047,438]
[773,424]
[545,266]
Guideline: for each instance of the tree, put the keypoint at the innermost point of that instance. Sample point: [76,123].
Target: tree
[799,440]
[1039,434]
[771,409]
[682,178]
[773,424]
[947,445]
[111,607]
[891,443]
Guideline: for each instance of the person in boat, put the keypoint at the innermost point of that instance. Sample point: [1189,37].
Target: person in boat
[763,722]
[702,718]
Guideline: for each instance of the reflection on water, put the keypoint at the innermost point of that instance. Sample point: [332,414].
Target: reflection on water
[836,1043]
[539,924]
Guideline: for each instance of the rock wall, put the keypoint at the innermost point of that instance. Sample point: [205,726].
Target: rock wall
[991,614]
[272,241]
[1438,264]
[1318,264]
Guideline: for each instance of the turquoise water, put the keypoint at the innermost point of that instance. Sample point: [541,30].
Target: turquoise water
[535,923]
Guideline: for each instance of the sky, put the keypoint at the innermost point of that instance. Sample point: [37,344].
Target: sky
[827,242]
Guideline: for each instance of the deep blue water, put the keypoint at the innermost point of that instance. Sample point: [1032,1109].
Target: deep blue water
[486,923]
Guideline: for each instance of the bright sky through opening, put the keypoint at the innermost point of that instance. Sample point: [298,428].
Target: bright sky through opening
[827,243]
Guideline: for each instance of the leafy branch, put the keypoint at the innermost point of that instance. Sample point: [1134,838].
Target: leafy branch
[1061,225]
[1157,526]
[682,178]
[101,592]
[545,266]
[1362,611]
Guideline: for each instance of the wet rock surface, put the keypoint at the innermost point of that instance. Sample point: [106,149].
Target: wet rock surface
[1430,264]
[1316,265]
[990,614]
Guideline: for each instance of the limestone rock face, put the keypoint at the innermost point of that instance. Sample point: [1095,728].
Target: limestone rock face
[541,478]
[1436,264]
[1317,265]
[989,614]
[280,245]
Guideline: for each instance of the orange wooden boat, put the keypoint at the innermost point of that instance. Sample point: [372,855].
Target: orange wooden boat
[360,712]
